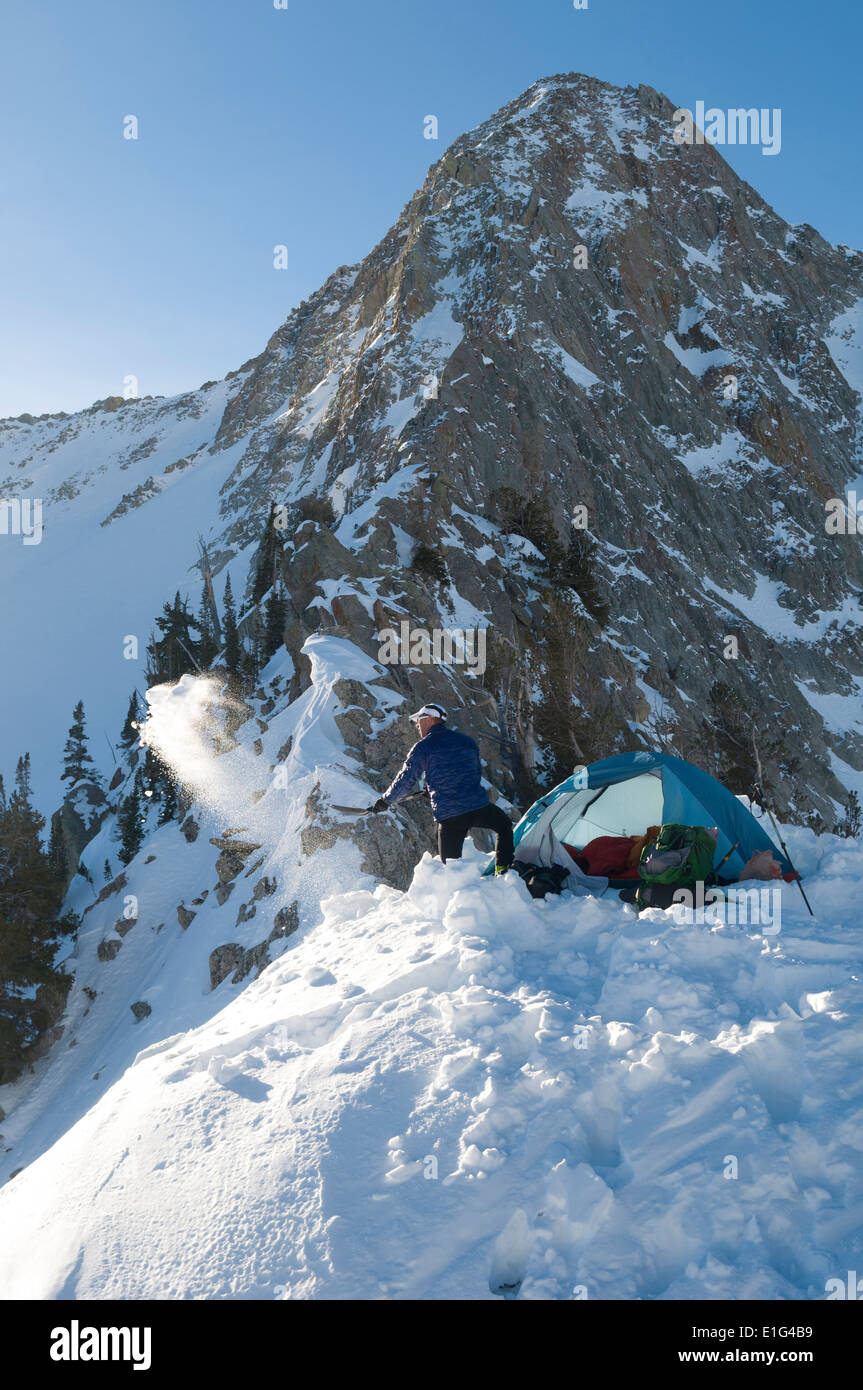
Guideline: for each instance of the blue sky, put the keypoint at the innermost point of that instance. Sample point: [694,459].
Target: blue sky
[304,127]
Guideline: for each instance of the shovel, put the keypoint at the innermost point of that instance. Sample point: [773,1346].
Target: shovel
[365,810]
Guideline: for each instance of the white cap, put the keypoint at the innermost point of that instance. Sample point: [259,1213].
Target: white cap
[433,712]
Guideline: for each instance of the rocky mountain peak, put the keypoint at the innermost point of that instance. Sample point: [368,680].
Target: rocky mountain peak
[573,313]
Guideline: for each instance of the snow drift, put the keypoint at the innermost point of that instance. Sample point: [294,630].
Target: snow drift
[458,1092]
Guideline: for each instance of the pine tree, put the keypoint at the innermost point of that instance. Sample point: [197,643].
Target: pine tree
[130,823]
[169,801]
[57,857]
[233,647]
[269,548]
[157,783]
[29,902]
[23,789]
[108,871]
[852,822]
[208,597]
[77,762]
[208,647]
[174,654]
[129,732]
[275,616]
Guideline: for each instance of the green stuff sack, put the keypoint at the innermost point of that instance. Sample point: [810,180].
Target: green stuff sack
[679,857]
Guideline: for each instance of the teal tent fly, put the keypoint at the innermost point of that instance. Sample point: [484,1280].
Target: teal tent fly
[624,795]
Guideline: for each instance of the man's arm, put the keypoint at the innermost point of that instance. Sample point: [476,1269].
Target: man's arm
[414,766]
[477,758]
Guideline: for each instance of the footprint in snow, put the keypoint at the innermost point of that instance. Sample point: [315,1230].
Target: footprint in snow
[510,1255]
[229,1073]
[316,975]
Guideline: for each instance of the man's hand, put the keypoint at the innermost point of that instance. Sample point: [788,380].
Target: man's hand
[380,805]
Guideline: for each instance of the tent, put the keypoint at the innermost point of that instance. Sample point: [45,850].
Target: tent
[625,794]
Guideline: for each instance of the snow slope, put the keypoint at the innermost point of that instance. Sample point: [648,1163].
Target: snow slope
[437,1093]
[91,583]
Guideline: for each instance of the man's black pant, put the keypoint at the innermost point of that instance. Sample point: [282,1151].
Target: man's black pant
[451,833]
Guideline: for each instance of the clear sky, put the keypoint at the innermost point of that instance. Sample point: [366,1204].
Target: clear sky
[304,127]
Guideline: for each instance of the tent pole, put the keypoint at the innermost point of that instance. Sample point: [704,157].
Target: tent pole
[735,846]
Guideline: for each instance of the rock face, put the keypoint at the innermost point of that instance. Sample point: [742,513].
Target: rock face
[578,309]
[592,395]
[77,820]
[190,829]
[223,960]
[234,957]
[232,859]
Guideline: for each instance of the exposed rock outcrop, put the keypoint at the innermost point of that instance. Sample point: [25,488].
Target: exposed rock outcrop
[232,957]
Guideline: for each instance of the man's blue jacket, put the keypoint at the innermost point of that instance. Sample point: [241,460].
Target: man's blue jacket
[451,765]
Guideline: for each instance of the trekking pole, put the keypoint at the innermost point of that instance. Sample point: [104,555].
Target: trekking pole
[759,794]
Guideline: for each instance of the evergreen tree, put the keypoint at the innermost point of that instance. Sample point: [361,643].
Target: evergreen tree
[129,732]
[208,647]
[29,932]
[23,789]
[158,784]
[571,563]
[269,548]
[169,801]
[67,925]
[275,617]
[57,857]
[233,647]
[108,872]
[174,654]
[77,762]
[852,822]
[208,596]
[130,823]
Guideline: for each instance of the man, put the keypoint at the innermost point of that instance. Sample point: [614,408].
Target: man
[450,763]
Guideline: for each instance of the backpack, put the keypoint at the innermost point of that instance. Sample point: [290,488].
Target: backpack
[678,857]
[541,879]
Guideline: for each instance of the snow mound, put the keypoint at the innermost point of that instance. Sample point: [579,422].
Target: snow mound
[458,1092]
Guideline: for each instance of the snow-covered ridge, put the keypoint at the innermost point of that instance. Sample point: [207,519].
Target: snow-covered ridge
[437,1093]
[150,929]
